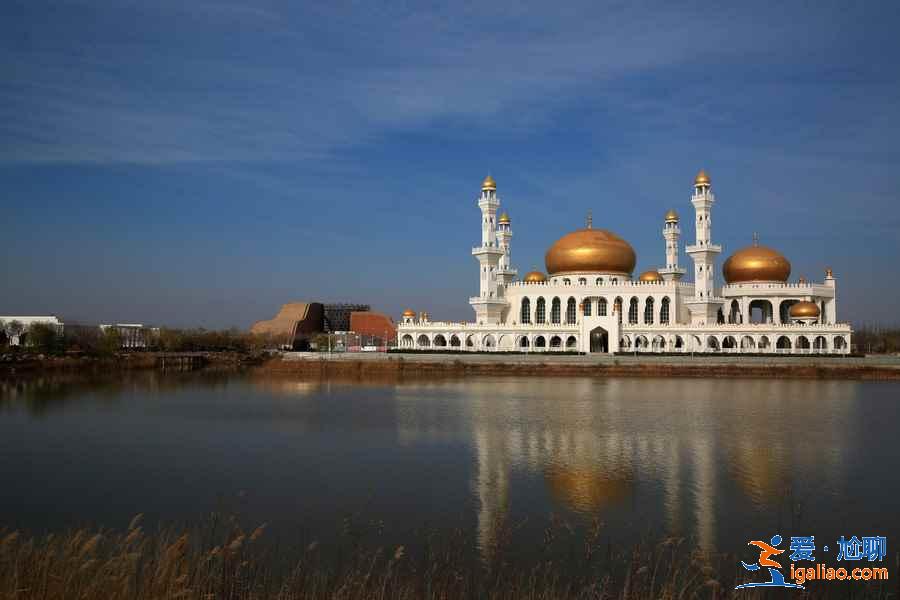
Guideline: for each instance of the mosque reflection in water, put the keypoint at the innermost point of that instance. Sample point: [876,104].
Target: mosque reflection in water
[681,455]
[715,461]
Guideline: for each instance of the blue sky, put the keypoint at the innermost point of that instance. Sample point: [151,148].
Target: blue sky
[200,163]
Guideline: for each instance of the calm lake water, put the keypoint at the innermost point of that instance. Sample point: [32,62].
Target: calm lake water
[720,461]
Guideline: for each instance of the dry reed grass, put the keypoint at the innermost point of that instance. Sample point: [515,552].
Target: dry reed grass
[219,560]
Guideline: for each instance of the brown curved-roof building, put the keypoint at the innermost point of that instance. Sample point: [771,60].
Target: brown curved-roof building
[294,324]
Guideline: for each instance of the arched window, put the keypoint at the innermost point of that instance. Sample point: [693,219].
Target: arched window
[541,311]
[582,281]
[599,281]
[734,314]
[633,311]
[567,281]
[586,304]
[601,307]
[617,306]
[664,311]
[570,311]
[525,315]
[554,311]
[648,312]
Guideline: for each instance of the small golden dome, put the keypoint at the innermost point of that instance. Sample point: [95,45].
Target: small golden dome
[804,310]
[756,263]
[489,183]
[409,313]
[702,178]
[535,277]
[504,218]
[671,215]
[650,276]
[590,251]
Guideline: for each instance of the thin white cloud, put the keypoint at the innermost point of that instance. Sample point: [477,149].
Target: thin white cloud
[311,93]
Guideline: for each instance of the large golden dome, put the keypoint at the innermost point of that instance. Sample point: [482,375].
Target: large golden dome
[756,263]
[535,277]
[804,310]
[590,251]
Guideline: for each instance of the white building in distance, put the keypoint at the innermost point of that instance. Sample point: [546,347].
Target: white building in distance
[15,327]
[589,301]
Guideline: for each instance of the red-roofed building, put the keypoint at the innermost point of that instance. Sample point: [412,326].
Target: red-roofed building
[373,325]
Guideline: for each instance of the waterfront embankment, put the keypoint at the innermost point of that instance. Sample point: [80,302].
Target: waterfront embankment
[24,364]
[435,364]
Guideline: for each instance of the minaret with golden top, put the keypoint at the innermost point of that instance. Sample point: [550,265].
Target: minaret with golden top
[671,233]
[489,303]
[505,273]
[705,304]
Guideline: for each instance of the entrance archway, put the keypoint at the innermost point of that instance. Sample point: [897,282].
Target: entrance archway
[599,340]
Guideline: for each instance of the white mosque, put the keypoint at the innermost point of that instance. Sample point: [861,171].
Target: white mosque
[589,301]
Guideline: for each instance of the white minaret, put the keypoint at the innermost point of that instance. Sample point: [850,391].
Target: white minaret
[671,233]
[705,305]
[505,273]
[488,304]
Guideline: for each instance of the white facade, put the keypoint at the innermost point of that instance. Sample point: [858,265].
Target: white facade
[604,312]
[133,335]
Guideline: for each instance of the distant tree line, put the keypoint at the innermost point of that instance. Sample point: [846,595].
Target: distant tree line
[873,339]
[45,338]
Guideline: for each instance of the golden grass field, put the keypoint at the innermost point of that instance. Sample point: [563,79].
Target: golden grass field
[219,559]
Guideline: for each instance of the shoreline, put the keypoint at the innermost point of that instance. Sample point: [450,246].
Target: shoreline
[432,365]
[425,365]
[127,361]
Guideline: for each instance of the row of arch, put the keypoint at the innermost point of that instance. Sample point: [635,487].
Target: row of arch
[763,310]
[798,344]
[539,342]
[648,314]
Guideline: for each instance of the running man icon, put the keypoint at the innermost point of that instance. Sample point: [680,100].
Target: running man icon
[766,552]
